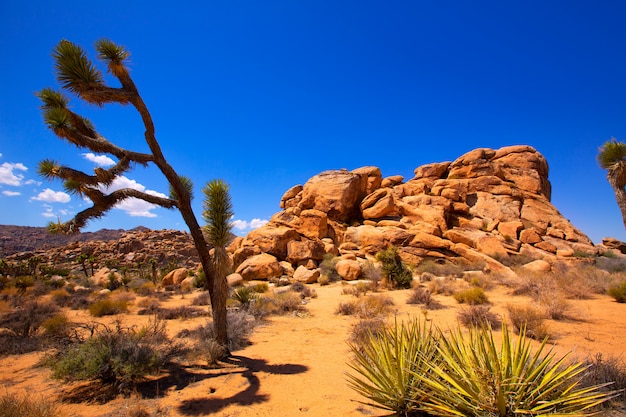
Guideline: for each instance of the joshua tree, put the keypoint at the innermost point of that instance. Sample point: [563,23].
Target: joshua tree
[77,75]
[217,213]
[612,157]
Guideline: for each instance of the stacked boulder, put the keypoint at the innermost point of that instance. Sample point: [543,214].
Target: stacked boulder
[487,205]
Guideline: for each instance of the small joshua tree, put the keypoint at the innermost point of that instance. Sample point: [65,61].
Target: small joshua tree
[77,75]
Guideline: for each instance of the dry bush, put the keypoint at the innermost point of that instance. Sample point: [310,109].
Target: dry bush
[202,299]
[611,371]
[304,290]
[419,295]
[57,327]
[277,303]
[446,286]
[60,297]
[471,296]
[618,292]
[366,307]
[479,315]
[440,268]
[181,313]
[25,320]
[26,405]
[365,328]
[530,318]
[107,307]
[240,326]
[556,306]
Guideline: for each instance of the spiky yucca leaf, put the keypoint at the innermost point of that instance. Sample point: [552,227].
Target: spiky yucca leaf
[217,212]
[52,99]
[48,169]
[386,366]
[475,377]
[114,55]
[611,153]
[187,184]
[58,120]
[75,72]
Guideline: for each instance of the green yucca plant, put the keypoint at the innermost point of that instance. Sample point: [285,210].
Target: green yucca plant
[386,366]
[475,377]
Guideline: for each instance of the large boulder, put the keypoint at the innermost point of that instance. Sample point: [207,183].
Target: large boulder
[260,267]
[336,193]
[175,277]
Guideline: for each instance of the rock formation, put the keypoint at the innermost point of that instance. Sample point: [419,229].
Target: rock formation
[487,205]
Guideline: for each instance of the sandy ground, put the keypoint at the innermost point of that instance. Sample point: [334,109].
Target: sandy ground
[296,364]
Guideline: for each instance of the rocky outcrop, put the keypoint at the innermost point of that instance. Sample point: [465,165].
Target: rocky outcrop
[486,205]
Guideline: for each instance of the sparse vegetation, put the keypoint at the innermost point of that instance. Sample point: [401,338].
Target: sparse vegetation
[393,268]
[26,405]
[327,268]
[528,320]
[471,296]
[618,292]
[108,307]
[479,316]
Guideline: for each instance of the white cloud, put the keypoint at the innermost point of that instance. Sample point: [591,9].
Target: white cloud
[31,182]
[51,196]
[133,206]
[252,224]
[8,175]
[11,193]
[100,160]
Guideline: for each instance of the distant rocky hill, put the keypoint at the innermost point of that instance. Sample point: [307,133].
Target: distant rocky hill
[15,239]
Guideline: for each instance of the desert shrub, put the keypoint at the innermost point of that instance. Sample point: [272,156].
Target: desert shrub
[386,363]
[26,405]
[180,313]
[202,299]
[611,264]
[446,286]
[471,296]
[607,372]
[79,300]
[24,321]
[363,329]
[474,376]
[57,327]
[366,307]
[60,297]
[146,288]
[240,326]
[373,273]
[327,267]
[119,357]
[393,268]
[107,307]
[260,287]
[419,295]
[528,320]
[23,283]
[244,296]
[440,268]
[323,280]
[304,290]
[477,316]
[556,306]
[618,292]
[279,303]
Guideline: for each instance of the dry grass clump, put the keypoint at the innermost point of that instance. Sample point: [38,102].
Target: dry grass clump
[479,315]
[601,370]
[530,319]
[366,328]
[202,299]
[471,296]
[423,296]
[446,286]
[181,313]
[366,307]
[440,268]
[555,305]
[205,347]
[618,292]
[276,303]
[108,307]
[26,405]
[304,290]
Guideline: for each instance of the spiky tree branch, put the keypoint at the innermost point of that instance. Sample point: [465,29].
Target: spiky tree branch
[78,75]
[612,157]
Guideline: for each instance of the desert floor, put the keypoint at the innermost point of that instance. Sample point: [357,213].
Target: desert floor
[295,364]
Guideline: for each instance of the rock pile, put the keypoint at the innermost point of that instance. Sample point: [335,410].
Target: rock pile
[488,205]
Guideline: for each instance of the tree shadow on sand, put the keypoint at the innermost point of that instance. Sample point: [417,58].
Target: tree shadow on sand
[248,368]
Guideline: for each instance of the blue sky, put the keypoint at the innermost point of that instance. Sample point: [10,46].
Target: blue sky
[267,94]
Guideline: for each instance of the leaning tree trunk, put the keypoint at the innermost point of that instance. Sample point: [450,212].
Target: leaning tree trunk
[617,179]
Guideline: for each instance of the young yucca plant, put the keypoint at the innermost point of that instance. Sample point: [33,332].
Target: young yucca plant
[387,365]
[475,377]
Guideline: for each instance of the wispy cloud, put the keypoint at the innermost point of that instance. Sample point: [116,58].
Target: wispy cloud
[100,160]
[50,213]
[11,193]
[243,225]
[133,206]
[51,196]
[8,174]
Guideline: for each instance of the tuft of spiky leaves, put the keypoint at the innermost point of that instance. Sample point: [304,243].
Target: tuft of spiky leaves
[387,363]
[75,72]
[187,184]
[217,212]
[114,55]
[52,99]
[611,153]
[476,377]
[48,169]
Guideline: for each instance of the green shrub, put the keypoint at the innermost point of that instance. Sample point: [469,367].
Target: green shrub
[327,268]
[618,292]
[119,357]
[471,296]
[260,287]
[57,326]
[244,296]
[26,405]
[107,307]
[393,268]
